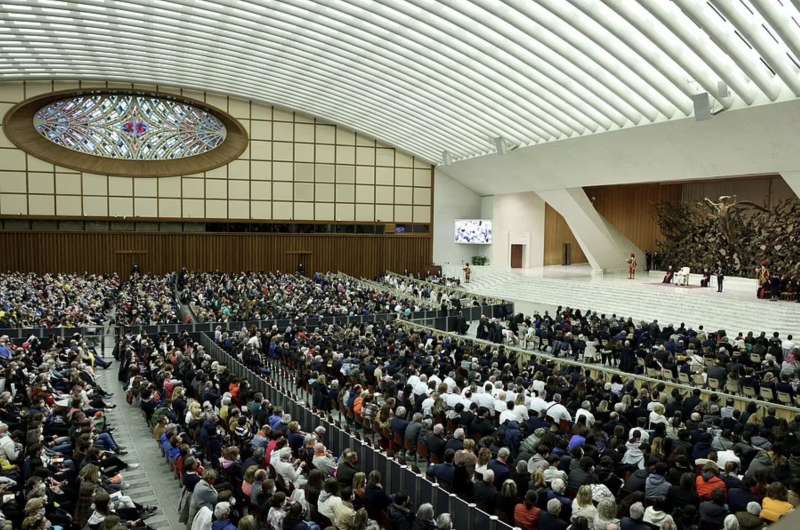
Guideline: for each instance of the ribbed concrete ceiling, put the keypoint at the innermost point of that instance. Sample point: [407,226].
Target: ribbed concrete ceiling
[427,76]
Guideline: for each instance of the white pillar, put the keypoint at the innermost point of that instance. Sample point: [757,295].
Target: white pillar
[792,178]
[604,246]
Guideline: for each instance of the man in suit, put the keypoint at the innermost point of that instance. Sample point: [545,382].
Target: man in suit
[549,520]
[500,467]
[720,278]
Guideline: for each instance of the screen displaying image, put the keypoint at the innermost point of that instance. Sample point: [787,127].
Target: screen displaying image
[473,231]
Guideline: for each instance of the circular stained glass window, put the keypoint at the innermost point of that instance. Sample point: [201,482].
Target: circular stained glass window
[130,127]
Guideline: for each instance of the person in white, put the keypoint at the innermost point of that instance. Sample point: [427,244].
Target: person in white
[451,399]
[520,409]
[427,404]
[787,345]
[202,520]
[328,502]
[645,435]
[484,398]
[281,461]
[657,415]
[422,386]
[8,448]
[557,411]
[508,415]
[585,411]
[500,403]
[537,403]
[450,382]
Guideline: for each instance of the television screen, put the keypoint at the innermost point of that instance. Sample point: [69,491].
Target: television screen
[473,231]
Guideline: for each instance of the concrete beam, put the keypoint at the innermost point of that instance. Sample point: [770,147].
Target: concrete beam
[604,246]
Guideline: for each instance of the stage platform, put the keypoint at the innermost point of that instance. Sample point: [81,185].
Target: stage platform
[645,298]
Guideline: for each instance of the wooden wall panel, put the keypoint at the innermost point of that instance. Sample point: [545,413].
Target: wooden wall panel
[359,255]
[556,233]
[631,209]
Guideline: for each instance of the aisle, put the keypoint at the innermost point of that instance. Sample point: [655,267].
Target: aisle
[152,483]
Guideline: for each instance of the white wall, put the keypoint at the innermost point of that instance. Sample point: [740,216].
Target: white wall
[518,218]
[752,141]
[452,200]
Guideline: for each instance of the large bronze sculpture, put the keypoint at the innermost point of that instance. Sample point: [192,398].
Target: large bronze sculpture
[737,234]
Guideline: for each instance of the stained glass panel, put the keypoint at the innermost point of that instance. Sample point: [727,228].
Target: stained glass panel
[130,127]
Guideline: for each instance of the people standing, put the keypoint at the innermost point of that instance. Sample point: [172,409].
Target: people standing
[706,281]
[720,278]
[467,272]
[763,280]
[632,264]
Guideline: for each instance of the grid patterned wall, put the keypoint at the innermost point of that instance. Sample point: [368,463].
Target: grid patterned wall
[296,167]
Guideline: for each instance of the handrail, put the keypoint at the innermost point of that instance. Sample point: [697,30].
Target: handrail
[419,488]
[611,371]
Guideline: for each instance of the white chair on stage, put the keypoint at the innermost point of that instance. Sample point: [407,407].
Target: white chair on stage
[682,276]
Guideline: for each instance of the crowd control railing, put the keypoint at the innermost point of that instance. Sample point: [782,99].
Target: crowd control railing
[435,318]
[93,335]
[281,390]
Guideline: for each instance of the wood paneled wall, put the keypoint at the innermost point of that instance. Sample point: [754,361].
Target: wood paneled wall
[359,255]
[556,233]
[631,209]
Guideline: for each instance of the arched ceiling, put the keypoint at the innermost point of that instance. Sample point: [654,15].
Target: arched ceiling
[428,77]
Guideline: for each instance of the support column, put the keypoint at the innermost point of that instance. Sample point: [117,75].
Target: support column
[604,246]
[792,178]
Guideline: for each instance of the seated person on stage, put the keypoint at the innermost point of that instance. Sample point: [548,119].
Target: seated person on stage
[706,278]
[669,275]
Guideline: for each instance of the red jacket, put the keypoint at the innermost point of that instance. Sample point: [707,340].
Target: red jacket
[706,484]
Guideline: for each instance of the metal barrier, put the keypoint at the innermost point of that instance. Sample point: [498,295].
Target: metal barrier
[439,319]
[283,391]
[94,336]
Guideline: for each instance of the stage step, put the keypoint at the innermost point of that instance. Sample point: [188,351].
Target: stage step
[734,310]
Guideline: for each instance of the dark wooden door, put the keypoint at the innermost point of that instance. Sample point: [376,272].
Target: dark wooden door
[124,261]
[516,256]
[297,257]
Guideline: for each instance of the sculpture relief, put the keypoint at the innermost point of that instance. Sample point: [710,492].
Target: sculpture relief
[737,234]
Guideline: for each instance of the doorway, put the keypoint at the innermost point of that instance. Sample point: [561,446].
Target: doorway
[300,262]
[516,256]
[124,260]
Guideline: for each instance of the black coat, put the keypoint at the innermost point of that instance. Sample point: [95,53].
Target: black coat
[484,495]
[548,521]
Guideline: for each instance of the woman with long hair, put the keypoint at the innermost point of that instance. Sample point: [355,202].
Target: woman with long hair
[506,501]
[582,505]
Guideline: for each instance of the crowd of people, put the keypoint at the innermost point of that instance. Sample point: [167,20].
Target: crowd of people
[543,446]
[147,299]
[242,462]
[540,444]
[60,466]
[30,300]
[766,366]
[247,296]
